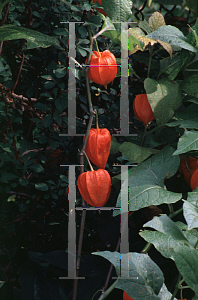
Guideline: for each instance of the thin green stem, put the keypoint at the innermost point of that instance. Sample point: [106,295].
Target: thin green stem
[143,136]
[175,213]
[176,287]
[108,291]
[146,248]
[97,126]
[97,48]
[150,58]
[88,161]
[170,206]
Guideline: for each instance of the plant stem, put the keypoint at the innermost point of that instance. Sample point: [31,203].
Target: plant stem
[88,161]
[150,58]
[103,296]
[176,287]
[97,48]
[175,213]
[146,248]
[143,136]
[92,112]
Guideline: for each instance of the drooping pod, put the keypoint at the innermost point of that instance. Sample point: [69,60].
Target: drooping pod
[103,67]
[126,296]
[142,109]
[95,187]
[98,146]
[187,167]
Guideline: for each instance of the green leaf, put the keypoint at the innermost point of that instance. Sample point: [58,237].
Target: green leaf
[164,97]
[193,6]
[118,11]
[94,20]
[146,278]
[34,39]
[187,142]
[114,145]
[64,178]
[8,177]
[171,67]
[190,214]
[11,198]
[164,294]
[189,113]
[41,186]
[145,182]
[167,235]
[135,153]
[186,260]
[1,283]
[190,84]
[60,72]
[165,225]
[48,120]
[173,36]
[3,4]
[23,181]
[37,168]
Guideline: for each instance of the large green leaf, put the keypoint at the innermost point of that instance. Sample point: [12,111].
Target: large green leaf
[190,84]
[190,214]
[145,277]
[173,36]
[187,142]
[186,260]
[135,153]
[164,97]
[34,39]
[170,66]
[118,10]
[193,6]
[168,235]
[145,182]
[165,225]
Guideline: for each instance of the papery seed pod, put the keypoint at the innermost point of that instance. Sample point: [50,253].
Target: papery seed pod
[126,296]
[98,146]
[194,180]
[192,164]
[95,187]
[103,67]
[142,109]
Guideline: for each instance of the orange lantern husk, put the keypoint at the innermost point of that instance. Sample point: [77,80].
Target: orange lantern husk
[103,67]
[194,180]
[192,165]
[126,296]
[142,109]
[98,146]
[95,187]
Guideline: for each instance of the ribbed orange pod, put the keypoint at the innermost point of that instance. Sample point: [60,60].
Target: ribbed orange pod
[126,296]
[192,165]
[100,9]
[194,180]
[103,67]
[142,109]
[95,187]
[98,146]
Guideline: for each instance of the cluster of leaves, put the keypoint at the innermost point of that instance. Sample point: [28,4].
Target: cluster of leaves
[34,113]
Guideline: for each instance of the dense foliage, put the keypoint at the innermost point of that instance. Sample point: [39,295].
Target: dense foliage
[35,148]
